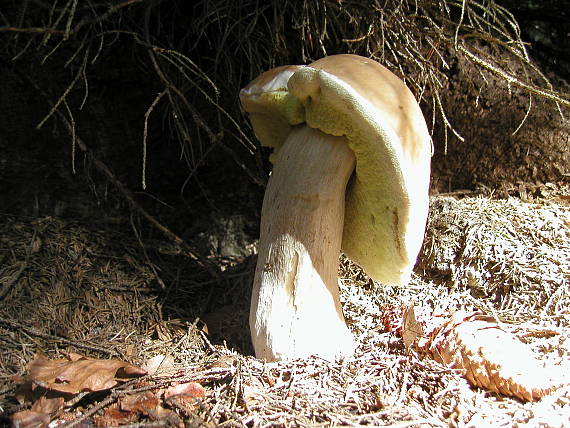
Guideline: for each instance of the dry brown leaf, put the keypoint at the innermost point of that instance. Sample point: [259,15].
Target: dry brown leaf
[129,409]
[190,389]
[114,416]
[493,358]
[412,330]
[29,419]
[159,364]
[79,373]
[48,405]
[184,396]
[168,416]
[44,401]
[144,402]
[50,383]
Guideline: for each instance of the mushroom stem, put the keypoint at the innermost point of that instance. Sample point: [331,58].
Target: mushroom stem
[295,309]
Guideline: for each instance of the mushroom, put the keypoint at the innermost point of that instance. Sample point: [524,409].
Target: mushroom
[351,171]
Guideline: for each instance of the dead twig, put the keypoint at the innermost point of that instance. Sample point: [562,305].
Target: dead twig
[34,332]
[38,30]
[7,286]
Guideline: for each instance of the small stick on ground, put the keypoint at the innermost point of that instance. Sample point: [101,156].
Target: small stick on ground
[33,332]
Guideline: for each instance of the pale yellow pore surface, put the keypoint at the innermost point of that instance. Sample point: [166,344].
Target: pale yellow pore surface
[271,109]
[295,306]
[387,200]
[355,97]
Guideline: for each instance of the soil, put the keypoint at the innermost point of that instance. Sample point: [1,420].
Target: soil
[95,289]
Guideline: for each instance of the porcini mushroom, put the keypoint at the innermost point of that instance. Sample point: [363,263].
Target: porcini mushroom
[351,170]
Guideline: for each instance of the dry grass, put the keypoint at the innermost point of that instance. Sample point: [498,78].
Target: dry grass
[511,255]
[69,287]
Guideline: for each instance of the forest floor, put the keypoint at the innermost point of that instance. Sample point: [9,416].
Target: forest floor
[69,287]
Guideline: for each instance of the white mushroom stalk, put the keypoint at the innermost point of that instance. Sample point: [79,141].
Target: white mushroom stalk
[295,307]
[322,120]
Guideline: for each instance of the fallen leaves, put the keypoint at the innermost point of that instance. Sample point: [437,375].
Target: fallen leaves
[49,385]
[29,418]
[189,389]
[183,397]
[78,373]
[489,357]
[159,364]
[472,343]
[129,408]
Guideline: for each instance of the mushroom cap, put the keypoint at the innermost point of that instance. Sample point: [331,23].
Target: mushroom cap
[356,97]
[272,109]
